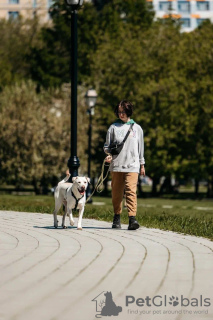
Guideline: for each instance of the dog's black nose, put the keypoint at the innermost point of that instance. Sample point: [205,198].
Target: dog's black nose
[82,189]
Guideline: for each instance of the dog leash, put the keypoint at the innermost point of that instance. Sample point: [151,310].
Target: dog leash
[99,185]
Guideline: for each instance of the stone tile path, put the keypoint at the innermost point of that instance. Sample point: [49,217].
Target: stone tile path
[52,274]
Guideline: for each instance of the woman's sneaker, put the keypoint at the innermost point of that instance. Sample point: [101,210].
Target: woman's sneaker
[116,222]
[133,224]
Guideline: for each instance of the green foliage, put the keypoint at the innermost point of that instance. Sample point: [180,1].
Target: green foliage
[124,54]
[30,135]
[167,75]
[198,63]
[136,15]
[16,38]
[35,134]
[49,62]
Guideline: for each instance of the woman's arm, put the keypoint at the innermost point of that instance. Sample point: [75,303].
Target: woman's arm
[109,139]
[142,171]
[106,145]
[141,147]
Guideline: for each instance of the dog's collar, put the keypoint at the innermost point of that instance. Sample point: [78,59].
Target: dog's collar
[77,200]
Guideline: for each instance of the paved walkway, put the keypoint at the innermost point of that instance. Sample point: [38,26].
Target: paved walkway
[52,274]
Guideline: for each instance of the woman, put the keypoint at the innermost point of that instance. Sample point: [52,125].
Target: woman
[125,166]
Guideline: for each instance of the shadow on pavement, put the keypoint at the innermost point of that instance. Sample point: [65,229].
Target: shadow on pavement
[69,227]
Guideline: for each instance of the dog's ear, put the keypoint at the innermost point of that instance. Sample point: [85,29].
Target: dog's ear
[74,178]
[88,179]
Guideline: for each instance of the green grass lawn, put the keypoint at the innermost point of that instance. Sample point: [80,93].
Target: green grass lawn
[186,216]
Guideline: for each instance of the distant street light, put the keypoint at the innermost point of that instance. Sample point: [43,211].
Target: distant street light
[73,162]
[90,97]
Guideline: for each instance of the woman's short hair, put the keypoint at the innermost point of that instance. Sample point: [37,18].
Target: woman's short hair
[127,107]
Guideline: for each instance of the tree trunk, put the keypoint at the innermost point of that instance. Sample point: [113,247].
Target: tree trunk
[211,194]
[154,186]
[210,187]
[35,185]
[196,187]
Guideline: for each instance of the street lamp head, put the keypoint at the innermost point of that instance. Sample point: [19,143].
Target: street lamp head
[74,4]
[91,97]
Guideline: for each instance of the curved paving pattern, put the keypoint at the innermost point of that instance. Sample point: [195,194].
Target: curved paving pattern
[52,274]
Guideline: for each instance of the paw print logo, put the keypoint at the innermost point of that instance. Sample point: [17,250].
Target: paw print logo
[173,301]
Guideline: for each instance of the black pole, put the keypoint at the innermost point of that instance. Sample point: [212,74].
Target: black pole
[73,162]
[88,192]
[89,142]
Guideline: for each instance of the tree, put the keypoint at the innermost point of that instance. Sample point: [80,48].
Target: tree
[16,38]
[137,15]
[35,135]
[198,65]
[50,60]
[141,70]
[167,76]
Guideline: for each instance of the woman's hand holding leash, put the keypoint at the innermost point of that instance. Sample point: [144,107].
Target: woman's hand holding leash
[142,171]
[108,159]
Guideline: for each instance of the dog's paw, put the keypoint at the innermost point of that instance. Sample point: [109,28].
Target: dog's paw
[64,227]
[79,228]
[72,222]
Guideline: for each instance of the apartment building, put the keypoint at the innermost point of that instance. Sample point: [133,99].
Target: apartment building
[27,8]
[191,13]
[11,9]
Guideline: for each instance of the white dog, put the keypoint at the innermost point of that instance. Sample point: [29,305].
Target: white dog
[72,195]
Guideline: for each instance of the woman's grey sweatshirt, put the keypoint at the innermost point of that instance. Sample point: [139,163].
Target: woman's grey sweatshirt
[131,156]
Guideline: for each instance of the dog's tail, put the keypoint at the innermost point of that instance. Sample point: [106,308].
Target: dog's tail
[65,179]
[62,181]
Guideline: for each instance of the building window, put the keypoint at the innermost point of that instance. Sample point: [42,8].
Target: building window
[186,23]
[202,5]
[164,6]
[200,21]
[13,1]
[34,3]
[13,14]
[184,6]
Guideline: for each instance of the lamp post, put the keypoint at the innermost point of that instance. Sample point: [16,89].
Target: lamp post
[73,162]
[90,97]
